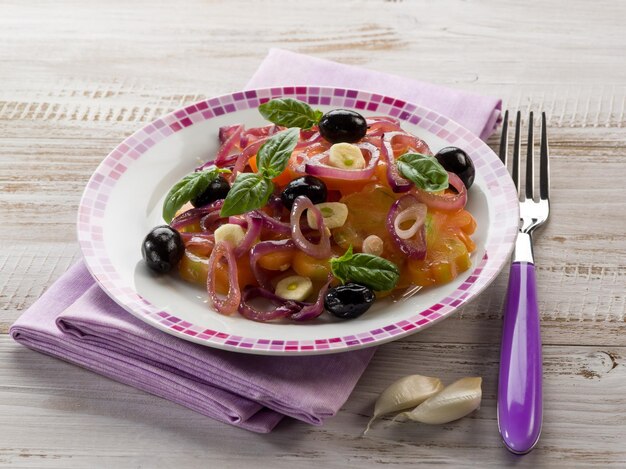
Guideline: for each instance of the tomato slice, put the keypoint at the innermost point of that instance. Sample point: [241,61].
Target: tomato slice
[448,248]
[367,212]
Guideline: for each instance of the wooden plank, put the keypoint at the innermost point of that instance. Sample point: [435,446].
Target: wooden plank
[93,418]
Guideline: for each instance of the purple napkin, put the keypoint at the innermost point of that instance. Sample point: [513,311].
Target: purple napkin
[477,113]
[76,321]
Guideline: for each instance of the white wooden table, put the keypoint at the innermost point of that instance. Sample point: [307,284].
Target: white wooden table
[76,77]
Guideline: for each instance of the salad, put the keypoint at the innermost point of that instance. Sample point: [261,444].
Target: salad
[316,212]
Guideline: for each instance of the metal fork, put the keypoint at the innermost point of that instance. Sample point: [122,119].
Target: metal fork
[520,404]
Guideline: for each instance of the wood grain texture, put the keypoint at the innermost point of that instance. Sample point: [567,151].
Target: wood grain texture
[78,76]
[93,417]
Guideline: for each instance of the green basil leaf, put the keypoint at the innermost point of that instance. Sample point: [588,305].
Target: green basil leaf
[372,271]
[290,113]
[187,188]
[249,192]
[424,171]
[274,154]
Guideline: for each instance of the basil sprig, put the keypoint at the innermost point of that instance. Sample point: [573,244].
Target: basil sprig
[372,271]
[290,113]
[188,188]
[273,156]
[424,171]
[252,190]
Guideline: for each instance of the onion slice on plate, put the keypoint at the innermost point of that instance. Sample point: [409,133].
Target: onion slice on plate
[313,310]
[446,202]
[195,214]
[395,181]
[253,230]
[230,304]
[321,250]
[411,241]
[263,248]
[284,308]
[318,166]
[224,151]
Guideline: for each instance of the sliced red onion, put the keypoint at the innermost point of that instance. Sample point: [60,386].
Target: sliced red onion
[238,220]
[212,221]
[321,250]
[313,310]
[225,150]
[244,157]
[309,137]
[201,244]
[376,128]
[319,166]
[395,181]
[227,131]
[252,135]
[274,225]
[254,225]
[263,248]
[415,213]
[284,308]
[447,202]
[275,204]
[373,119]
[415,246]
[270,223]
[195,214]
[230,304]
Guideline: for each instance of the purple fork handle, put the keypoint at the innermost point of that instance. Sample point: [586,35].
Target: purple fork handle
[520,402]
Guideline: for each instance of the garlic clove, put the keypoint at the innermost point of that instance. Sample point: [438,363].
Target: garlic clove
[455,401]
[346,156]
[405,393]
[295,288]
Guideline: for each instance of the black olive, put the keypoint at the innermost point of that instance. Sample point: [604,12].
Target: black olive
[343,125]
[456,161]
[218,189]
[162,248]
[348,301]
[309,186]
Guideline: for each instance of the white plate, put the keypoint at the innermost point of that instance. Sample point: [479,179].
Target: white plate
[123,201]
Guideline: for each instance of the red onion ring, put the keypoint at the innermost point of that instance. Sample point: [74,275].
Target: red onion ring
[373,119]
[319,166]
[417,213]
[395,181]
[222,157]
[446,202]
[255,223]
[201,244]
[229,305]
[415,246]
[313,310]
[212,221]
[195,214]
[244,157]
[284,308]
[378,127]
[322,249]
[263,248]
[227,131]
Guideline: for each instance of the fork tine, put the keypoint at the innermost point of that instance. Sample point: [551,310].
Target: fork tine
[530,172]
[516,151]
[504,138]
[544,163]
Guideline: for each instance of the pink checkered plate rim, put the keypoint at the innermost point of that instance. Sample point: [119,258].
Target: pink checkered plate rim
[122,202]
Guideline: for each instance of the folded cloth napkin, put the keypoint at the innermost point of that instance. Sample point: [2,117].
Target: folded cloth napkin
[480,114]
[76,321]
